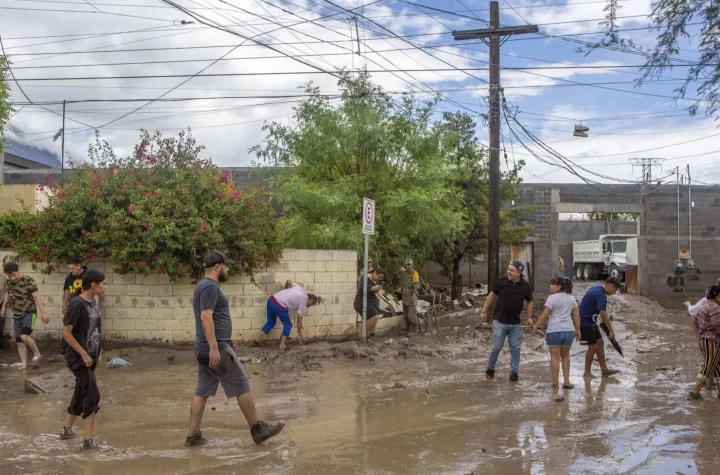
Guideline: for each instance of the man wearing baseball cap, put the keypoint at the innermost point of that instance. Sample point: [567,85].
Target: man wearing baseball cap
[510,294]
[217,363]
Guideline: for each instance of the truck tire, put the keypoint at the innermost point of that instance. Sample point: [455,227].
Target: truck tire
[616,273]
[579,272]
[588,272]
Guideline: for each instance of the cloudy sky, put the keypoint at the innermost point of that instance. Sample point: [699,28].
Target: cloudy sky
[57,47]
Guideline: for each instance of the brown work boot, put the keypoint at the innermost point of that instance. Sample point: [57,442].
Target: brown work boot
[263,431]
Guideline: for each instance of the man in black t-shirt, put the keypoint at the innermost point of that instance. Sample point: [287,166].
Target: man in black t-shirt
[510,294]
[81,331]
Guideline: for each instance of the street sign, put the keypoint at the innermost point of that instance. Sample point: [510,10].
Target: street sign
[368,218]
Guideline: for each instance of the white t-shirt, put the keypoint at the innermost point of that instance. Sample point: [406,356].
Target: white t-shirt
[694,309]
[561,306]
[294,298]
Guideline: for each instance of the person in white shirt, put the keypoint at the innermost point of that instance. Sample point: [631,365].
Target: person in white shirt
[292,297]
[693,309]
[561,312]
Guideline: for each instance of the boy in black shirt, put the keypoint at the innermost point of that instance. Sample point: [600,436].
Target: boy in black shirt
[81,331]
[71,289]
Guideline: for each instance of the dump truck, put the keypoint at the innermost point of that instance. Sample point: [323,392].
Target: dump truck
[602,257]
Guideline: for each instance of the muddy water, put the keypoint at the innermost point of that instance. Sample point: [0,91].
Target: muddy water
[348,416]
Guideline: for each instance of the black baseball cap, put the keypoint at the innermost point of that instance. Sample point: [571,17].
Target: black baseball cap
[379,270]
[214,258]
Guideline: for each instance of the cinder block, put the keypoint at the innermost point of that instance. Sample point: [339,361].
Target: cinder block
[116,289]
[323,255]
[281,277]
[163,279]
[271,289]
[351,276]
[183,290]
[281,266]
[352,319]
[339,256]
[317,266]
[239,279]
[304,255]
[150,324]
[350,267]
[138,290]
[151,279]
[143,302]
[336,288]
[339,277]
[259,300]
[241,323]
[151,336]
[323,320]
[161,313]
[161,291]
[339,319]
[183,313]
[350,288]
[323,277]
[335,266]
[251,289]
[318,289]
[116,312]
[322,332]
[115,335]
[139,312]
[183,336]
[265,278]
[304,278]
[124,324]
[288,255]
[237,312]
[254,312]
[233,289]
[127,279]
[298,266]
[239,301]
[181,325]
[334,309]
[308,321]
[256,322]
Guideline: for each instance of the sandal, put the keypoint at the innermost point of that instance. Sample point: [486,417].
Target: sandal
[568,386]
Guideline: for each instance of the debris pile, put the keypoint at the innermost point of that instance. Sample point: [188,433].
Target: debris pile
[436,299]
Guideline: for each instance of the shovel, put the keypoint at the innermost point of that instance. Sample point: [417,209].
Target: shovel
[614,342]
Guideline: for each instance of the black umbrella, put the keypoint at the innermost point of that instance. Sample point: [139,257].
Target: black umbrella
[614,342]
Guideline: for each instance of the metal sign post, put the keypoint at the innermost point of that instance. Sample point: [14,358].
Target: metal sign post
[368,228]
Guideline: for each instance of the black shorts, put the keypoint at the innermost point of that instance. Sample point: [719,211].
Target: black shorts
[86,398]
[373,310]
[590,335]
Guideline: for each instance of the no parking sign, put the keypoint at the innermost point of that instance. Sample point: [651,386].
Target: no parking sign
[368,217]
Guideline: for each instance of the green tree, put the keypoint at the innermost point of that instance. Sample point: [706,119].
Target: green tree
[469,172]
[367,146]
[5,105]
[158,210]
[673,18]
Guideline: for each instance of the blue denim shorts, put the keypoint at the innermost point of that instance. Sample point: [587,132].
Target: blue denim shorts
[560,339]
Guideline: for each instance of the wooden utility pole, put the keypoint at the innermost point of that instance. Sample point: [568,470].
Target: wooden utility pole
[494,34]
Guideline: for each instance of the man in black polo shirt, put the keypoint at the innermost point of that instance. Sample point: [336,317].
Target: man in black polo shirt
[509,295]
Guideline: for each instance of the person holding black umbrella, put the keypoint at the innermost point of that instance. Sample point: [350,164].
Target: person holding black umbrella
[594,303]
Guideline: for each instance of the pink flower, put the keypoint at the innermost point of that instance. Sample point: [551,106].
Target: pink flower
[96,192]
[204,227]
[132,208]
[83,232]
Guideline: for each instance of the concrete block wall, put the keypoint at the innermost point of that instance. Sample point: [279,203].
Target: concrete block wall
[152,309]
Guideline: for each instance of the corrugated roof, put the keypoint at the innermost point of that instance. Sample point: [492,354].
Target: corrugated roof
[32,153]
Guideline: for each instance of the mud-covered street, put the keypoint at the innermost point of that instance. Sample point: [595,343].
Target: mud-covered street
[393,407]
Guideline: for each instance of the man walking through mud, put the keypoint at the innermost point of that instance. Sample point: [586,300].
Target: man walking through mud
[23,298]
[217,363]
[510,294]
[594,304]
[410,286]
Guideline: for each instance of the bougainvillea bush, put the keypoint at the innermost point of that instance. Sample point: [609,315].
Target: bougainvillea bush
[158,210]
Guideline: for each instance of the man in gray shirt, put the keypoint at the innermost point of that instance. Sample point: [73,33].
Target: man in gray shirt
[217,363]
